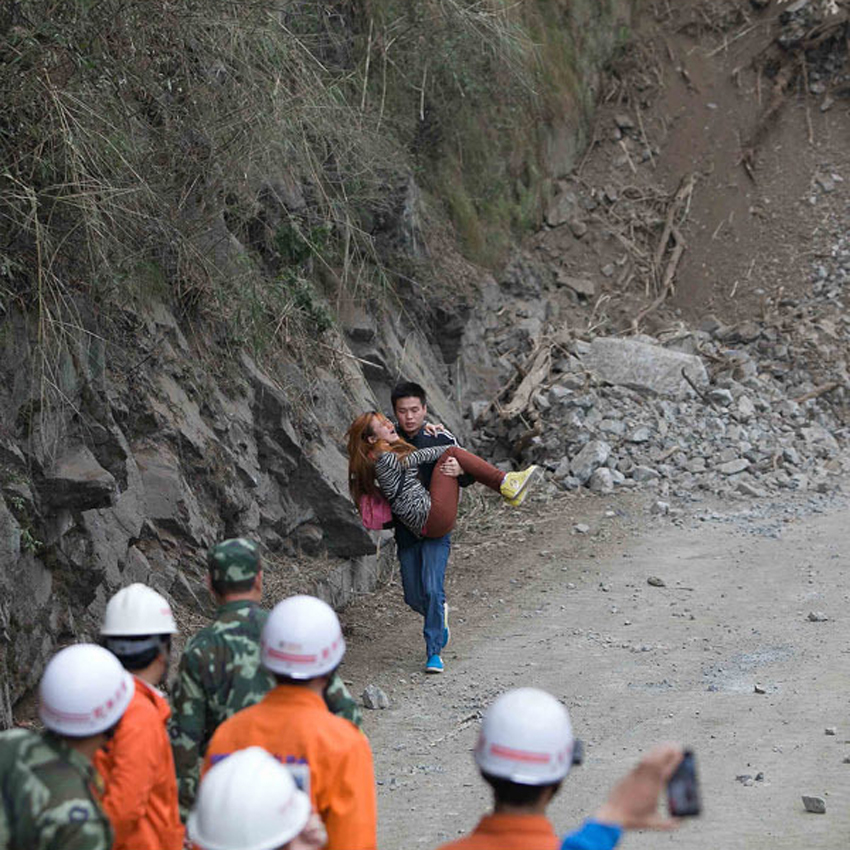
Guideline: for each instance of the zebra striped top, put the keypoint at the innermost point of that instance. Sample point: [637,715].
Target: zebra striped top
[400,485]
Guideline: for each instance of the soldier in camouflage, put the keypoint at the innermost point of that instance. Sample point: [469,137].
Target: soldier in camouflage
[50,789]
[220,671]
[50,795]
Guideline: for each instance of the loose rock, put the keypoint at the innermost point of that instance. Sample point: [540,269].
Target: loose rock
[815,805]
[732,467]
[602,481]
[374,698]
[589,459]
[655,581]
[817,617]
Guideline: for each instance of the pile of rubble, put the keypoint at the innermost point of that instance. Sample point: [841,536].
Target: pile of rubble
[720,409]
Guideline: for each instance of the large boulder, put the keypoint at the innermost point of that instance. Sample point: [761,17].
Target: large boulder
[641,366]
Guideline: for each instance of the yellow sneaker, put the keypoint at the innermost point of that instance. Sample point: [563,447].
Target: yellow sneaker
[516,485]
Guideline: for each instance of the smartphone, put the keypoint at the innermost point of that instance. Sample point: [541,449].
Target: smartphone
[683,798]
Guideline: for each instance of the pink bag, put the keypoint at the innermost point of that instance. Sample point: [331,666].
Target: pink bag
[375,511]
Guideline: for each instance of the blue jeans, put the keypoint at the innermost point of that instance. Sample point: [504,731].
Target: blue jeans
[423,571]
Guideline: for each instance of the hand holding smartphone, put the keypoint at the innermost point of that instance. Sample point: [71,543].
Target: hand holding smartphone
[683,797]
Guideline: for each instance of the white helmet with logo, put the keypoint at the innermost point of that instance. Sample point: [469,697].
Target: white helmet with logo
[248,801]
[302,638]
[84,691]
[526,737]
[138,610]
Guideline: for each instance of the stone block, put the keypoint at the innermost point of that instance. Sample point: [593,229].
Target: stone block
[626,362]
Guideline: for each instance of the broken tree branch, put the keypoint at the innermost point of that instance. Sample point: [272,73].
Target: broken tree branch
[781,83]
[817,392]
[683,193]
[537,373]
[667,281]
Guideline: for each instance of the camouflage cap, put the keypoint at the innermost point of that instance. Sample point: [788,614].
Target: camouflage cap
[234,560]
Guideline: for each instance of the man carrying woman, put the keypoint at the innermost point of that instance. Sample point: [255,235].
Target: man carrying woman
[382,466]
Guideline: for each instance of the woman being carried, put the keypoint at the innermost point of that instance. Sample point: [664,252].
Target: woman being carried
[380,462]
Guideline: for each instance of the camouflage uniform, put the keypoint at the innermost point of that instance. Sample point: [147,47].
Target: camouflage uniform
[50,795]
[220,672]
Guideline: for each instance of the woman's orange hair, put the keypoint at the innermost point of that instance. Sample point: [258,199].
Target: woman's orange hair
[362,455]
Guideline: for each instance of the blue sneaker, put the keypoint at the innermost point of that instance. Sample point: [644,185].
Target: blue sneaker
[447,632]
[434,665]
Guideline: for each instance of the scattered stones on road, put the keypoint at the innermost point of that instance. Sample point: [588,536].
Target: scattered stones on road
[375,698]
[815,805]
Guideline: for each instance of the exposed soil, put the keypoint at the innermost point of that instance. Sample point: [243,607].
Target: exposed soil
[535,603]
[693,88]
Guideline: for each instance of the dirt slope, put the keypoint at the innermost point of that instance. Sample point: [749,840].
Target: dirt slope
[540,605]
[693,88]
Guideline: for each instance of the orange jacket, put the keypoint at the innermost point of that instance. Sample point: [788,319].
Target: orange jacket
[294,725]
[509,832]
[138,770]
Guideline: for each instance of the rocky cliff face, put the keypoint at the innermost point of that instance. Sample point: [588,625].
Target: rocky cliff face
[159,439]
[148,463]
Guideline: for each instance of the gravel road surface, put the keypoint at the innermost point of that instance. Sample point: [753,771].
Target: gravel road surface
[534,602]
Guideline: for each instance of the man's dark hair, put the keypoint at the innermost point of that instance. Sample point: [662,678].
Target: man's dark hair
[223,588]
[288,680]
[408,389]
[516,794]
[133,661]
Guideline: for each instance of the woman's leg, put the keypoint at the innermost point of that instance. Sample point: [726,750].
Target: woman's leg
[445,490]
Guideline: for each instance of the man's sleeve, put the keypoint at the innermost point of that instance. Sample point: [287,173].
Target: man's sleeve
[341,702]
[133,774]
[448,439]
[351,815]
[188,728]
[593,835]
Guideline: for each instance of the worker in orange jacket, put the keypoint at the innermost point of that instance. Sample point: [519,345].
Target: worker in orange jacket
[525,750]
[137,765]
[329,758]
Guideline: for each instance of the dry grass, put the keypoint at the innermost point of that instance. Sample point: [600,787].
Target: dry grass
[137,140]
[242,162]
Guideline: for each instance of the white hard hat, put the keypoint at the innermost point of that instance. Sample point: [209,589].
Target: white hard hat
[302,638]
[248,801]
[526,737]
[84,691]
[138,610]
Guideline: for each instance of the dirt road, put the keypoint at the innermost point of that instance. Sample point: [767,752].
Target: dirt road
[536,603]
